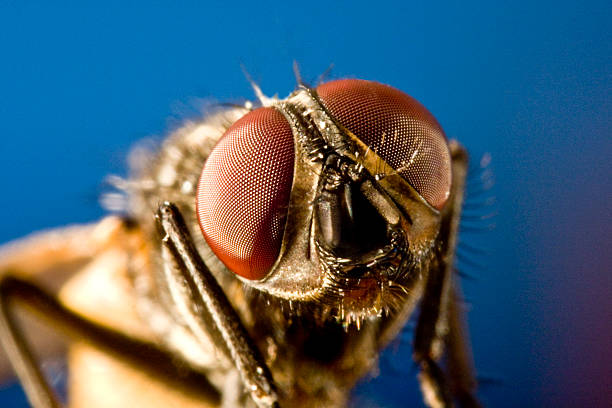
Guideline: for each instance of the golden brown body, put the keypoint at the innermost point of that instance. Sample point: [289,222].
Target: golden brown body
[135,292]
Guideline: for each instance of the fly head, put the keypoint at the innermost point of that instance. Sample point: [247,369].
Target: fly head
[330,198]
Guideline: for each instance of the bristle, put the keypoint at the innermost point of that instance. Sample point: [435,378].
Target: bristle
[464,275]
[324,75]
[477,218]
[469,261]
[263,99]
[298,75]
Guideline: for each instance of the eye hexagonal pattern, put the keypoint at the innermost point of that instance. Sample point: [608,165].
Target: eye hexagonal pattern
[397,128]
[243,192]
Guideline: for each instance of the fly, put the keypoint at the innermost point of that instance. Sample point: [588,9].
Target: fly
[267,256]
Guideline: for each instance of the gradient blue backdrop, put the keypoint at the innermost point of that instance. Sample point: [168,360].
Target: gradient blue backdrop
[528,83]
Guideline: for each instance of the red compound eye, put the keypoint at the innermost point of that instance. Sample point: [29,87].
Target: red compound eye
[398,128]
[244,191]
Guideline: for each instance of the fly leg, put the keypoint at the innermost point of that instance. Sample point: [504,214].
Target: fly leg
[440,329]
[206,309]
[13,341]
[50,258]
[439,323]
[459,357]
[32,272]
[148,356]
[429,340]
[460,364]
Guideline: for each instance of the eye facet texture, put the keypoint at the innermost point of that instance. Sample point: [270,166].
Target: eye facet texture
[244,191]
[397,128]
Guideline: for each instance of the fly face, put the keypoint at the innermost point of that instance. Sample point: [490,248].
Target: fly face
[312,199]
[290,244]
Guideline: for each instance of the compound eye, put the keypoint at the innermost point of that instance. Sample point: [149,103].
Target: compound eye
[397,128]
[243,192]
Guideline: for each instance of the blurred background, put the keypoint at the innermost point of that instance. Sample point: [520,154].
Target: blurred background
[527,84]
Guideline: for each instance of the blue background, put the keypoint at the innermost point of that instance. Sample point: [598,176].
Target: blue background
[528,82]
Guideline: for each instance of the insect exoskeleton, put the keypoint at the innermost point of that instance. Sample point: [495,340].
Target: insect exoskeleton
[330,197]
[276,250]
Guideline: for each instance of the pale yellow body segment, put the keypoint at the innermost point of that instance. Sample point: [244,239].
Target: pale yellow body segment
[88,267]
